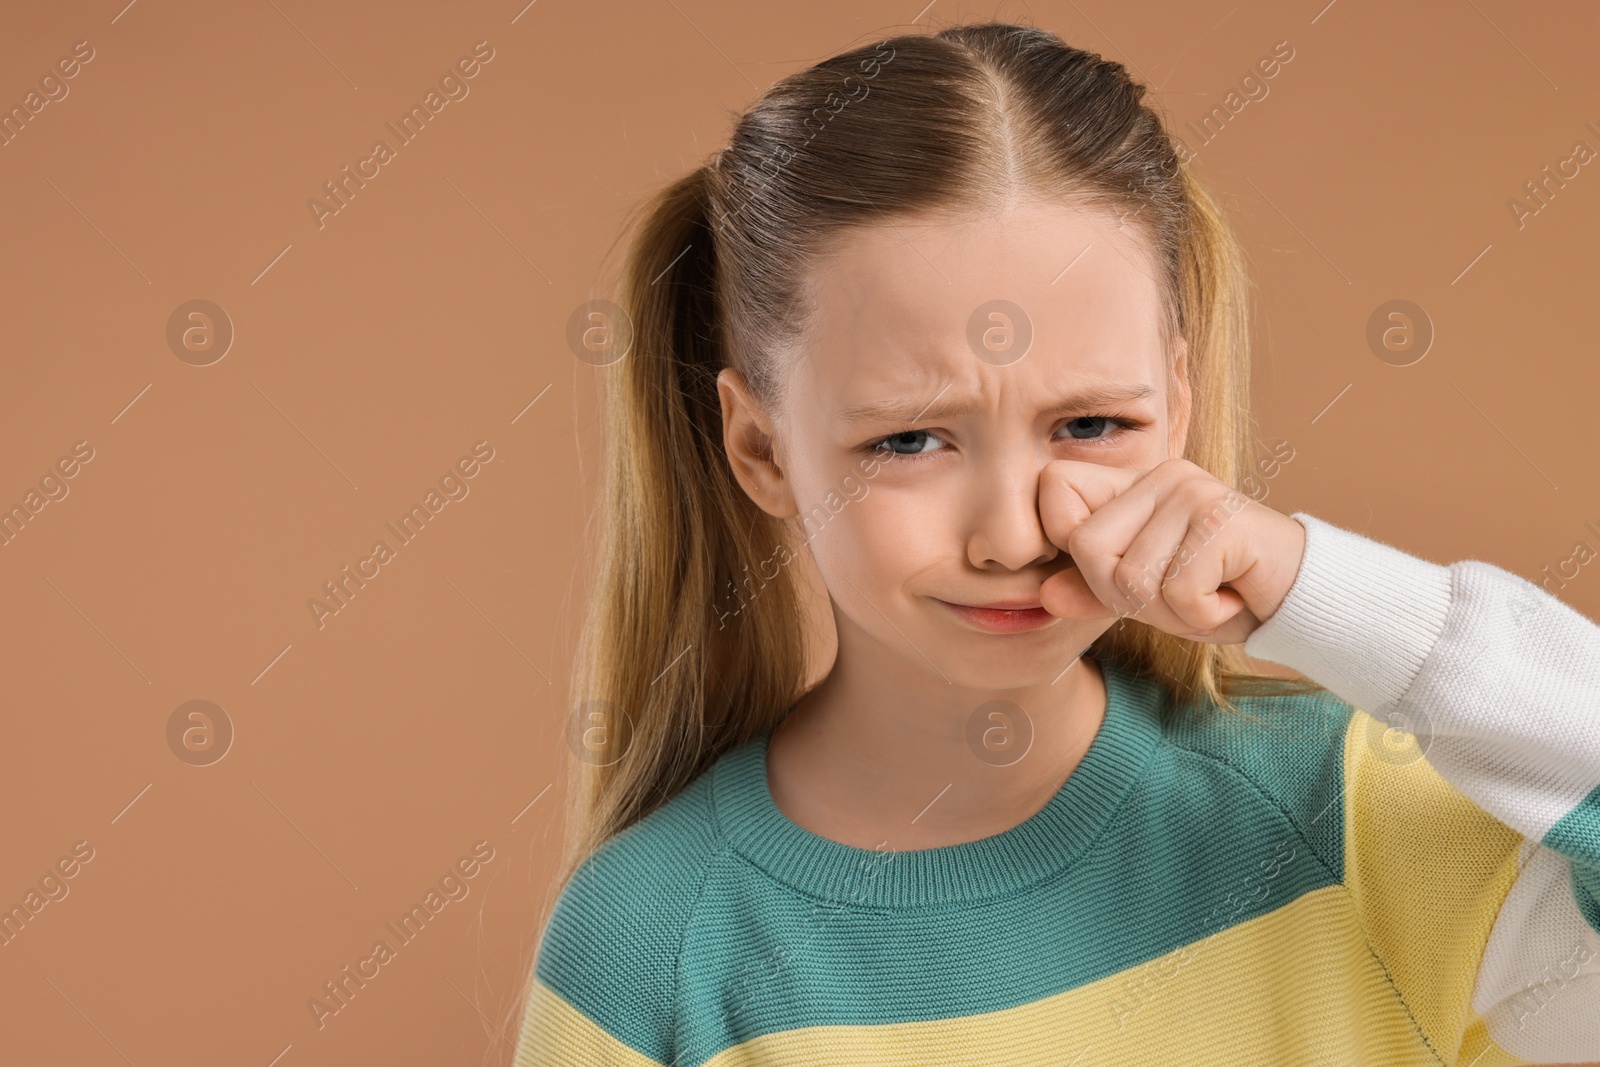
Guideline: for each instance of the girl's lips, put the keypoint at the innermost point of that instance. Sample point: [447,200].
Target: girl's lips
[1002,620]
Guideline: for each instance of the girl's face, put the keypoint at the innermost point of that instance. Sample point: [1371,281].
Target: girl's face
[919,414]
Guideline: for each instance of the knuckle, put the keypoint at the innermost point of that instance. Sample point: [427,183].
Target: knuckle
[1179,467]
[1184,598]
[1209,510]
[1125,575]
[1083,540]
[1134,580]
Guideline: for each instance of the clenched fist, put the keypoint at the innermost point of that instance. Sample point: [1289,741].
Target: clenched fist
[1172,547]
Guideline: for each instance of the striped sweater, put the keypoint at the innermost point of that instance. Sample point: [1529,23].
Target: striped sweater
[1404,869]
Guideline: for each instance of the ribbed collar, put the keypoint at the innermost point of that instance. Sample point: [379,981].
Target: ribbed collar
[1044,844]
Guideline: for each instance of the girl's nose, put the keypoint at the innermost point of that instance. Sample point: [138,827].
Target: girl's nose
[1005,528]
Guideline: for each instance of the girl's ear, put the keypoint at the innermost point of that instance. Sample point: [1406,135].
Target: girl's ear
[749,438]
[1183,401]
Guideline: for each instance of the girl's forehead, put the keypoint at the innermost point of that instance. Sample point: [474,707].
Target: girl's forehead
[863,385]
[906,312]
[1063,269]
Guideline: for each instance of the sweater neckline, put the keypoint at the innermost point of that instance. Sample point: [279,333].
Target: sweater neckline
[1044,844]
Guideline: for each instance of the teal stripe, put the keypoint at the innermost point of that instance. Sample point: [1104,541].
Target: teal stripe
[1209,823]
[1292,748]
[1577,836]
[1194,850]
[611,945]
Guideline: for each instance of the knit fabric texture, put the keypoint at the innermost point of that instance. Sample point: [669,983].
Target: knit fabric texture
[1401,869]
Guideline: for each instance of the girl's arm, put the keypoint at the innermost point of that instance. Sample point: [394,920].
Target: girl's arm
[1499,682]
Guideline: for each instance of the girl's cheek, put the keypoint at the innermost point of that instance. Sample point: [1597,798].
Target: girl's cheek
[900,533]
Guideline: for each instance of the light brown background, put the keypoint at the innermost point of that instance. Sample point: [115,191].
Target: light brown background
[430,313]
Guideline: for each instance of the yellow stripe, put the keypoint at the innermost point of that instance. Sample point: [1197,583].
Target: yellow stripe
[1428,870]
[1478,1051]
[555,1032]
[1295,986]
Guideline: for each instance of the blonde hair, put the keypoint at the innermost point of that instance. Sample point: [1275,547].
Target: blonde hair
[949,121]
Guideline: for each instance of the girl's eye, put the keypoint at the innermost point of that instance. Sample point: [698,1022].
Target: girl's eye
[1073,426]
[913,444]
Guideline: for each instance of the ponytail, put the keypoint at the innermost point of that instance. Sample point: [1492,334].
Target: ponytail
[693,643]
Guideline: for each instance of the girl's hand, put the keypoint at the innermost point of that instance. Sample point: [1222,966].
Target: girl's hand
[1172,547]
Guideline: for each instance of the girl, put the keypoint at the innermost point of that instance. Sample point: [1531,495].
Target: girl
[951,320]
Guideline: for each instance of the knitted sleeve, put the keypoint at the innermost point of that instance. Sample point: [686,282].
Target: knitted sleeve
[1472,685]
[603,990]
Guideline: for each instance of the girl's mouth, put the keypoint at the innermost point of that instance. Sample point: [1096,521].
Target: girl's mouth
[1001,619]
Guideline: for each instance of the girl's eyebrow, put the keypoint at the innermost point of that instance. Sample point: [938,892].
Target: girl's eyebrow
[905,409]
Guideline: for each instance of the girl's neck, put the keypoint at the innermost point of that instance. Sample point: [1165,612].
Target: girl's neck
[867,765]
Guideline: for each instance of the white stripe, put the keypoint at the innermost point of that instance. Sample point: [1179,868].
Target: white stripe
[1538,986]
[1499,679]
[1513,692]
